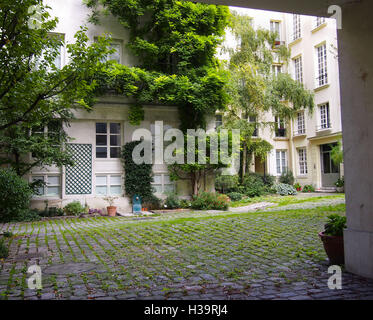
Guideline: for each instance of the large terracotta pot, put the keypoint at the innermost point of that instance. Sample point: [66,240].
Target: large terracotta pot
[112,211]
[334,248]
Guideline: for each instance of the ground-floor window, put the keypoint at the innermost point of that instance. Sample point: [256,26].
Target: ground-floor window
[52,185]
[108,140]
[302,154]
[109,185]
[281,161]
[163,184]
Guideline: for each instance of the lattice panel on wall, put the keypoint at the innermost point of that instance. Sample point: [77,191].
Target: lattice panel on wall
[79,176]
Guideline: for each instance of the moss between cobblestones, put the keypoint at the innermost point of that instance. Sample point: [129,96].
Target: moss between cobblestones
[174,252]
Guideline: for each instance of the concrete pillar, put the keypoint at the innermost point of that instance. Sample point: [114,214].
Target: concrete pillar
[356,77]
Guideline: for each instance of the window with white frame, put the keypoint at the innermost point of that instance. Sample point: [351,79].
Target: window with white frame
[280,128]
[117,54]
[163,184]
[298,69]
[109,185]
[51,187]
[301,124]
[324,116]
[275,28]
[297,32]
[302,154]
[108,140]
[320,21]
[281,161]
[253,121]
[322,66]
[276,69]
[51,131]
[218,121]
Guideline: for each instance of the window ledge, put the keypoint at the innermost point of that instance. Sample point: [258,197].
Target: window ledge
[294,42]
[322,87]
[299,135]
[280,138]
[321,26]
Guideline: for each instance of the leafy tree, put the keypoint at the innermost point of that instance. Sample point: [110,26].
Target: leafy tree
[34,90]
[255,90]
[337,154]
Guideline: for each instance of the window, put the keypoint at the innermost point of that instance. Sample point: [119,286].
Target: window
[52,131]
[320,21]
[301,125]
[302,153]
[280,129]
[253,120]
[218,120]
[298,69]
[109,185]
[163,184]
[297,33]
[322,78]
[324,116]
[108,140]
[275,28]
[117,54]
[276,70]
[52,185]
[281,161]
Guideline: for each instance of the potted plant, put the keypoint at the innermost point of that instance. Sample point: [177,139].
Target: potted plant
[332,238]
[111,209]
[298,187]
[340,184]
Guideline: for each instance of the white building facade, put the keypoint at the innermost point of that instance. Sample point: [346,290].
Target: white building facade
[304,144]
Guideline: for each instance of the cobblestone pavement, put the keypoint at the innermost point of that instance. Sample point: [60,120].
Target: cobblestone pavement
[266,255]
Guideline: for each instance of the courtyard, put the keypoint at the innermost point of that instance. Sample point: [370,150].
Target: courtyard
[270,252]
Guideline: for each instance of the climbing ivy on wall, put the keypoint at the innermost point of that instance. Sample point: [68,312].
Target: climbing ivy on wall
[175,42]
[138,178]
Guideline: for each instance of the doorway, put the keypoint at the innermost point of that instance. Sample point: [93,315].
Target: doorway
[329,171]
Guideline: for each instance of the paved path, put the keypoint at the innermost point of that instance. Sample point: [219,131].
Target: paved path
[274,255]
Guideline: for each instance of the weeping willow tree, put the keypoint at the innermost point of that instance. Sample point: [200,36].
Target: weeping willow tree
[255,90]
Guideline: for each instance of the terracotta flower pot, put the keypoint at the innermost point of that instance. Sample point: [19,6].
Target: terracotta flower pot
[334,248]
[112,211]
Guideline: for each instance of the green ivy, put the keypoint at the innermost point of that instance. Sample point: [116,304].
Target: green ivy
[175,43]
[138,178]
[136,115]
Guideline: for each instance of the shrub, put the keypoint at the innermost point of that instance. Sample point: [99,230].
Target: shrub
[4,252]
[172,201]
[185,204]
[298,186]
[253,185]
[226,183]
[152,203]
[15,195]
[285,189]
[235,196]
[74,208]
[335,225]
[51,212]
[268,180]
[308,188]
[340,182]
[28,216]
[287,177]
[210,201]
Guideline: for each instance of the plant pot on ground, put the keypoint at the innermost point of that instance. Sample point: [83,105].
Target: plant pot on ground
[332,239]
[111,209]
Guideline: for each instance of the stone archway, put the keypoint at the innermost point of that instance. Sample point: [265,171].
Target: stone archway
[356,83]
